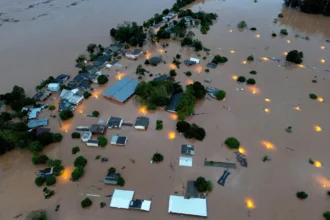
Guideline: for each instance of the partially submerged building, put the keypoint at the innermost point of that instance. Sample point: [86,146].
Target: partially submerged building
[223,178]
[174,101]
[122,90]
[39,131]
[132,55]
[53,87]
[62,78]
[162,78]
[154,61]
[33,113]
[191,191]
[123,199]
[118,140]
[42,95]
[192,206]
[37,123]
[114,122]
[92,143]
[73,96]
[141,123]
[185,161]
[46,172]
[98,128]
[191,61]
[187,149]
[111,179]
[86,136]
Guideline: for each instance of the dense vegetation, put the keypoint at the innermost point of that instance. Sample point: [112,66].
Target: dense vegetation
[221,94]
[310,6]
[75,135]
[102,141]
[203,185]
[156,93]
[75,149]
[157,157]
[295,56]
[191,131]
[187,102]
[80,161]
[86,202]
[102,79]
[17,99]
[190,42]
[66,114]
[302,195]
[219,59]
[130,33]
[232,143]
[45,82]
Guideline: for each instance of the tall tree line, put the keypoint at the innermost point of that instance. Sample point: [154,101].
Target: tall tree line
[310,6]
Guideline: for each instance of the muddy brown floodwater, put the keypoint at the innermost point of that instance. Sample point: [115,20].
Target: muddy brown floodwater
[49,35]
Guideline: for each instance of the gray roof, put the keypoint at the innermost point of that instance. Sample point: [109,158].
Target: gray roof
[187,149]
[39,131]
[136,204]
[142,121]
[37,123]
[155,60]
[114,122]
[163,77]
[174,101]
[97,128]
[118,140]
[111,178]
[191,190]
[93,141]
[122,90]
[212,65]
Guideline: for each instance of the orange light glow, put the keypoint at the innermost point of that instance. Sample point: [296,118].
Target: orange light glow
[96,93]
[65,126]
[322,181]
[65,176]
[267,110]
[148,54]
[234,77]
[320,99]
[189,81]
[161,51]
[242,150]
[285,53]
[232,51]
[81,111]
[171,135]
[254,90]
[172,66]
[267,100]
[301,66]
[317,128]
[288,41]
[265,58]
[317,164]
[322,47]
[323,61]
[268,145]
[119,76]
[230,31]
[250,203]
[244,62]
[174,116]
[258,36]
[143,110]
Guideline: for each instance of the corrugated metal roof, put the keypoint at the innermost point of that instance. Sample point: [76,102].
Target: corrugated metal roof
[121,199]
[37,123]
[185,161]
[122,90]
[174,101]
[192,206]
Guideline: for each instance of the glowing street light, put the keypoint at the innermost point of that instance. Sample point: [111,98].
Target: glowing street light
[268,145]
[232,51]
[322,60]
[322,47]
[250,204]
[288,41]
[285,53]
[244,62]
[242,150]
[267,110]
[317,128]
[267,100]
[171,135]
[230,31]
[143,110]
[234,77]
[258,36]
[265,58]
[320,99]
[317,164]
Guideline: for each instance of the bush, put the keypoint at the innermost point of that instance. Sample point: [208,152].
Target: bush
[75,150]
[173,73]
[284,31]
[120,181]
[112,170]
[242,24]
[57,137]
[314,81]
[80,161]
[147,62]
[219,59]
[274,35]
[166,11]
[253,29]
[207,70]
[301,195]
[295,56]
[221,94]
[77,173]
[102,205]
[232,143]
[312,96]
[96,114]
[35,146]
[75,135]
[39,159]
[253,72]
[251,81]
[311,161]
[86,202]
[195,132]
[39,181]
[203,185]
[157,157]
[159,125]
[37,215]
[188,73]
[326,215]
[102,79]
[241,79]
[50,180]
[52,107]
[102,141]
[87,95]
[265,158]
[66,114]
[182,126]
[250,58]
[280,15]
[178,56]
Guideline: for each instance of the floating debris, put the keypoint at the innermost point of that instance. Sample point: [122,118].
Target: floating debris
[241,159]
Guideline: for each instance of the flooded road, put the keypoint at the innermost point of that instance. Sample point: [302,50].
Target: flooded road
[32,50]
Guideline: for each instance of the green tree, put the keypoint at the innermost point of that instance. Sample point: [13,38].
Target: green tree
[221,94]
[75,149]
[86,202]
[57,137]
[312,96]
[326,215]
[120,181]
[232,143]
[241,79]
[80,161]
[302,195]
[50,180]
[112,170]
[197,44]
[219,59]
[250,58]
[295,56]
[75,135]
[253,72]
[102,79]
[250,81]
[242,24]
[35,146]
[172,73]
[159,125]
[96,113]
[77,173]
[91,48]
[39,181]
[37,215]
[130,33]
[66,114]
[182,126]
[102,141]
[203,185]
[39,159]
[166,11]
[157,157]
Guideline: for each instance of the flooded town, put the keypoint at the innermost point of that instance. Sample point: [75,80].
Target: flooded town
[179,109]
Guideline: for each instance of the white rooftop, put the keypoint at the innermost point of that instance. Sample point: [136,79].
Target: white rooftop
[192,206]
[185,161]
[146,205]
[194,59]
[121,199]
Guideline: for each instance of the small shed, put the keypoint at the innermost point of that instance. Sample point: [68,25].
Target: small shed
[111,179]
[97,128]
[194,60]
[187,149]
[114,122]
[46,172]
[141,123]
[185,161]
[208,79]
[121,199]
[118,140]
[92,143]
[191,191]
[86,136]
[54,87]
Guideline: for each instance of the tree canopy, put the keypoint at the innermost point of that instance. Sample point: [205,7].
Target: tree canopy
[232,143]
[102,79]
[130,32]
[310,6]
[66,114]
[203,185]
[295,56]
[80,161]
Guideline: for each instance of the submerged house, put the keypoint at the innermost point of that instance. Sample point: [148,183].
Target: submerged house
[42,95]
[191,61]
[141,123]
[154,61]
[118,140]
[140,204]
[92,143]
[111,179]
[86,136]
[187,149]
[123,199]
[53,87]
[98,128]
[62,78]
[122,90]
[191,191]
[192,206]
[114,122]
[37,123]
[46,172]
[134,55]
[162,78]
[174,101]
